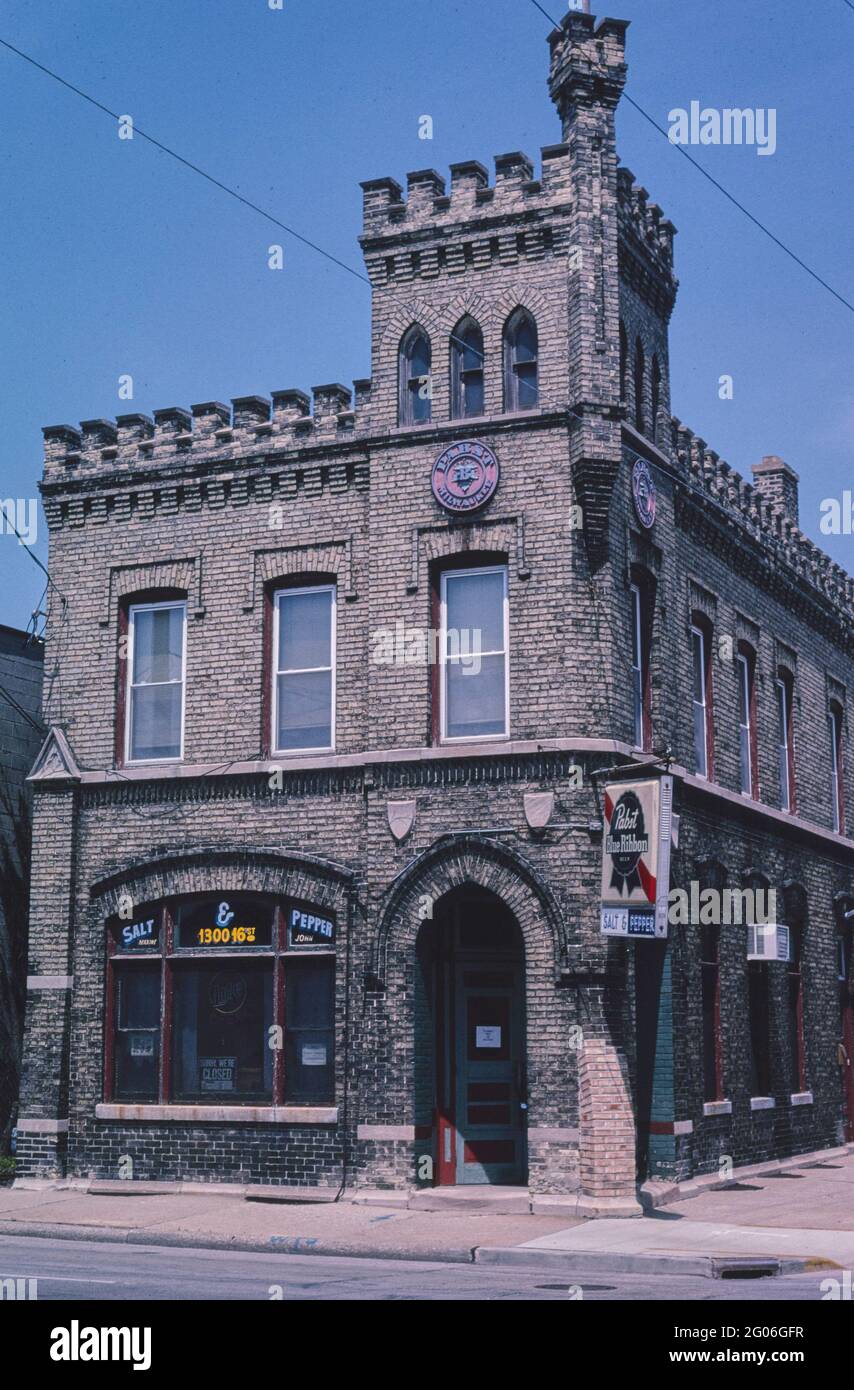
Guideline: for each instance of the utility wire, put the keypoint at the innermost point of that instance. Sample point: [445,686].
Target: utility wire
[25,714]
[719,186]
[173,154]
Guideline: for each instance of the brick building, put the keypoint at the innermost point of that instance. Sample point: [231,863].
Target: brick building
[310,908]
[21,733]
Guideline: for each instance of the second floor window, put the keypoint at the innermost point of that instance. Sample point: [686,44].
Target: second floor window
[784,686]
[467,369]
[155,691]
[473,653]
[304,669]
[745,665]
[837,795]
[702,701]
[416,393]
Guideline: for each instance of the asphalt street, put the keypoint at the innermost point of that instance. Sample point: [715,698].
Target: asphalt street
[72,1270]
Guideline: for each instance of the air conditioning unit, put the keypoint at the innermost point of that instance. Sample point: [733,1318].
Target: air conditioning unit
[767,941]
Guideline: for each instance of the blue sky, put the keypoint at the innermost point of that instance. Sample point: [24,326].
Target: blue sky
[114,259]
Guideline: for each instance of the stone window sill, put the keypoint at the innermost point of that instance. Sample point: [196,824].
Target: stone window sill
[717,1107]
[801,1098]
[763,1103]
[222,1114]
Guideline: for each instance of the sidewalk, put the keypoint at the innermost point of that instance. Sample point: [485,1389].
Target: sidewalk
[783,1217]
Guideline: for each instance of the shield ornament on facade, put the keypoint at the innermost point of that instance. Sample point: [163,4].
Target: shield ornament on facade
[538,809]
[401,816]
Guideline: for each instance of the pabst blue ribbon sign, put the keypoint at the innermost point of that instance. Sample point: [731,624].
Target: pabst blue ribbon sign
[465,476]
[636,857]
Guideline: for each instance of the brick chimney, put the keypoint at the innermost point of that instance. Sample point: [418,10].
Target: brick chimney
[777,483]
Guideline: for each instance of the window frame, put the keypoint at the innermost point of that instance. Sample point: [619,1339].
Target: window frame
[459,346]
[639,373]
[702,628]
[461,572]
[795,1009]
[710,994]
[406,394]
[835,718]
[784,684]
[745,662]
[170,958]
[292,591]
[127,709]
[512,402]
[641,608]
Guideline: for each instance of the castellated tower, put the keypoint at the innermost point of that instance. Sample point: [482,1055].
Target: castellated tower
[579,246]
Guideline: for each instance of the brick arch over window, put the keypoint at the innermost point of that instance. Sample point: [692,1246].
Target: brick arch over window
[479,862]
[210,869]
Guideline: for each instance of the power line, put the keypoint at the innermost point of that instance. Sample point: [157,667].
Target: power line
[173,154]
[38,726]
[719,186]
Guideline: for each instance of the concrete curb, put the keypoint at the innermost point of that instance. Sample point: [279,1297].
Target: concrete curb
[272,1245]
[592,1262]
[615,1262]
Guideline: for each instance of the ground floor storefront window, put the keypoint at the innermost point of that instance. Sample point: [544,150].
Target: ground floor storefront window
[225,1000]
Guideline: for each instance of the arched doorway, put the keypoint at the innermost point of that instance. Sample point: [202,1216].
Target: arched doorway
[470,1038]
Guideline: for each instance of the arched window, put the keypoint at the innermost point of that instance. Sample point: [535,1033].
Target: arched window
[748,747]
[835,718]
[624,359]
[640,380]
[785,690]
[416,382]
[521,391]
[702,701]
[656,398]
[466,369]
[642,609]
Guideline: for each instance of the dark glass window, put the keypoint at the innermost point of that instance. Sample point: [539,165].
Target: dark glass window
[467,369]
[309,1019]
[416,382]
[640,386]
[137,1033]
[521,370]
[223,1011]
[760,1026]
[203,997]
[711,983]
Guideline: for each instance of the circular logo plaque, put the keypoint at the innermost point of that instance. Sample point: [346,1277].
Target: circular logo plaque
[465,476]
[643,492]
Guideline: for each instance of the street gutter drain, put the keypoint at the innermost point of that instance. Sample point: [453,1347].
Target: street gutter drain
[745,1269]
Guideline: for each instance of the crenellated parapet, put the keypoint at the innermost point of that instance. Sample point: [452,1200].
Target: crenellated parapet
[440,228]
[287,419]
[646,242]
[704,474]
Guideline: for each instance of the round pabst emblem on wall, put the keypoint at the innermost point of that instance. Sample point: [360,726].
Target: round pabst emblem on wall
[643,491]
[465,476]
